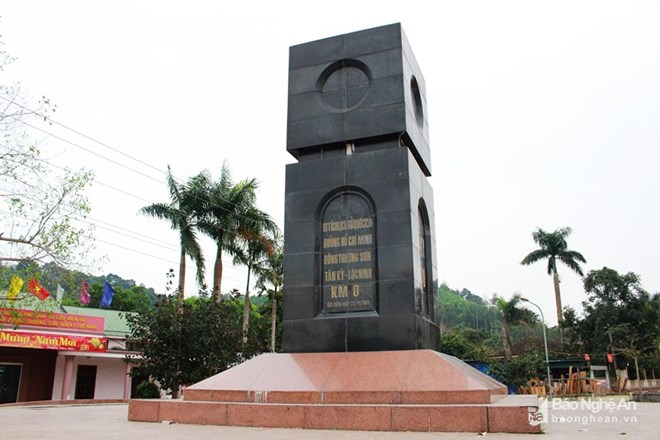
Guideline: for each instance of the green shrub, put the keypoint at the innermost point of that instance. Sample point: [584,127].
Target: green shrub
[518,370]
[147,390]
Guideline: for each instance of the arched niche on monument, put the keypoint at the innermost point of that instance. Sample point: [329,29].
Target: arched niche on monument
[425,259]
[347,253]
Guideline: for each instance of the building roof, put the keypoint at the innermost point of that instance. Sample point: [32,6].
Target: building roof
[116,324]
[115,321]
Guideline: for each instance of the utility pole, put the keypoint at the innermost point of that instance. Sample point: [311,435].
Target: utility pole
[545,345]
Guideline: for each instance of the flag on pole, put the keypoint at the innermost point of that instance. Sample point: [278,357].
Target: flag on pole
[60,293]
[15,286]
[37,289]
[83,295]
[108,294]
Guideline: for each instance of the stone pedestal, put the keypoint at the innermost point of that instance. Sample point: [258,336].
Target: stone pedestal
[415,390]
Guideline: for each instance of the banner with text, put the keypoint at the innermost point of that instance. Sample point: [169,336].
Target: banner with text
[65,321]
[52,342]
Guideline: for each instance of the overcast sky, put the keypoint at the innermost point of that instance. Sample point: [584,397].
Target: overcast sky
[541,114]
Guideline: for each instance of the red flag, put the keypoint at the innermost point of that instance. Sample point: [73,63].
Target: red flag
[610,358]
[37,289]
[83,294]
[586,357]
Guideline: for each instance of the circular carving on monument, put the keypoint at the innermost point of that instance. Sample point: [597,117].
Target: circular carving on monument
[417,101]
[344,85]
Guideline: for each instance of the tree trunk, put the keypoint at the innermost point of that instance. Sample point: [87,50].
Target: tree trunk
[217,275]
[560,314]
[506,340]
[246,307]
[273,321]
[182,282]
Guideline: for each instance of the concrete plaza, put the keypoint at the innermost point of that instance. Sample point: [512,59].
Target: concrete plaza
[567,420]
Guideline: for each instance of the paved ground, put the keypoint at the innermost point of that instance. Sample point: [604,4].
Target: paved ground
[109,421]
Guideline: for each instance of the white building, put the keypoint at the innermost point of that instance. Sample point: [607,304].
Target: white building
[71,353]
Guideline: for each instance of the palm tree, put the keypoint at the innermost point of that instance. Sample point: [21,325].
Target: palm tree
[511,313]
[553,246]
[254,250]
[181,212]
[229,211]
[270,279]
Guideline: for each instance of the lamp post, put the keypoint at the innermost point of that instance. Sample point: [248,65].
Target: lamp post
[545,345]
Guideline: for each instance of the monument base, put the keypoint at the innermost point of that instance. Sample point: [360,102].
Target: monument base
[415,390]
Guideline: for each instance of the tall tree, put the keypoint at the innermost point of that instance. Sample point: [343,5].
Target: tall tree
[619,315]
[553,247]
[254,251]
[510,313]
[270,279]
[229,211]
[39,207]
[182,214]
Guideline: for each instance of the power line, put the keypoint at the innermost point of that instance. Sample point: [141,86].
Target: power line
[117,163]
[35,113]
[38,189]
[84,135]
[52,121]
[95,221]
[132,250]
[127,248]
[95,180]
[89,151]
[122,191]
[35,188]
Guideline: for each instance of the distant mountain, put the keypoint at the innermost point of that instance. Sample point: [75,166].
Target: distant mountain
[462,307]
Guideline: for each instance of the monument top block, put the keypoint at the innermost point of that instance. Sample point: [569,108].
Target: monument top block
[359,88]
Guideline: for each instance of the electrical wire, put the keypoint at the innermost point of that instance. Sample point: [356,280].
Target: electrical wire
[130,249]
[166,246]
[118,163]
[89,151]
[84,135]
[38,189]
[46,117]
[35,113]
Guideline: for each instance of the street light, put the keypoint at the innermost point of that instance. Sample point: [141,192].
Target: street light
[545,344]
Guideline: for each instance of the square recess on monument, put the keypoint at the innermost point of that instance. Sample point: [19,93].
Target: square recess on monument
[358,86]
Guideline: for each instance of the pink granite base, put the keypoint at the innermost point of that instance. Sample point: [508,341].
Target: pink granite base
[417,390]
[388,377]
[420,418]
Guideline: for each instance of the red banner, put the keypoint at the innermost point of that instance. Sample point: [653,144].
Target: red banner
[19,317]
[52,341]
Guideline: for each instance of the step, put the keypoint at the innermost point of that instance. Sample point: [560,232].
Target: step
[509,414]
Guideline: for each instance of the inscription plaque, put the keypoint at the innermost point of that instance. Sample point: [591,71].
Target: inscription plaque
[348,260]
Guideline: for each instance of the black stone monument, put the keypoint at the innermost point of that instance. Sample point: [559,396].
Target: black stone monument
[359,266]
